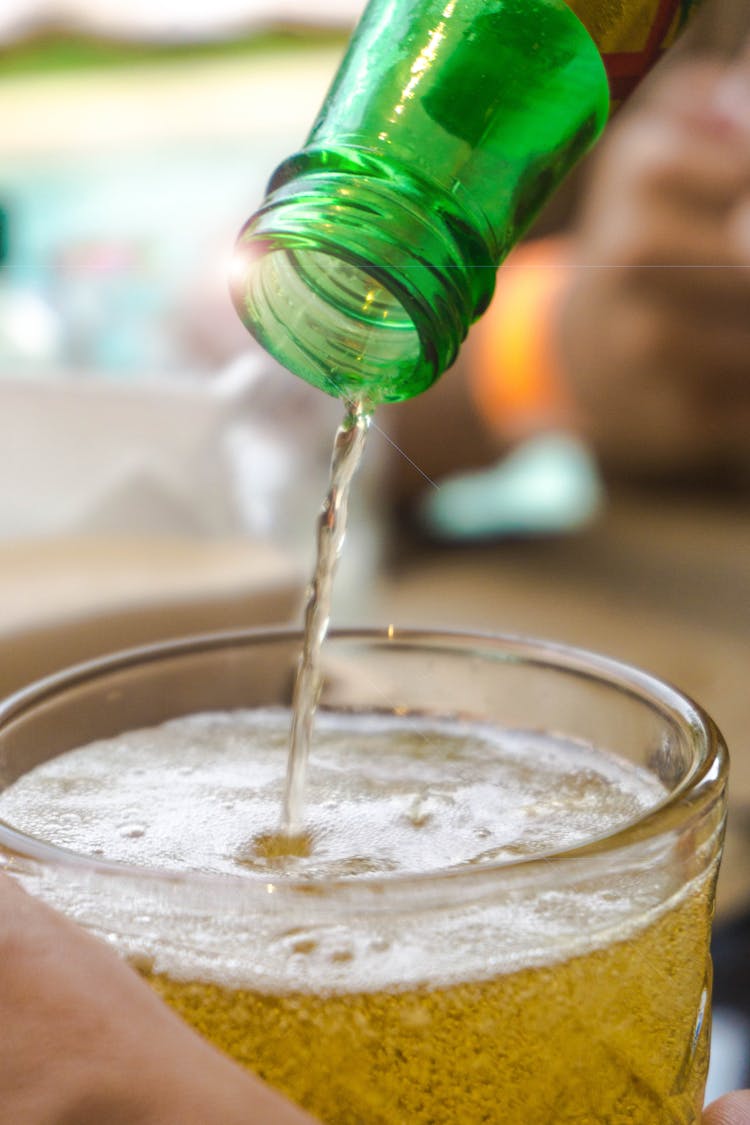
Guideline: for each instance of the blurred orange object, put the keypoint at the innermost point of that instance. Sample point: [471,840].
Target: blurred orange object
[515,375]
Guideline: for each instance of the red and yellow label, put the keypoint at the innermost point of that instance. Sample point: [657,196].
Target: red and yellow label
[632,35]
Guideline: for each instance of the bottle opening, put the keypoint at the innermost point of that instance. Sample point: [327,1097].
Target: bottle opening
[330,321]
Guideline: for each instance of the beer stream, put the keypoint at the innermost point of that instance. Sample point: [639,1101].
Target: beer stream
[348,448]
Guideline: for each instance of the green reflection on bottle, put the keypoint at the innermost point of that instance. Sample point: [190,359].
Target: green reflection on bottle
[447,127]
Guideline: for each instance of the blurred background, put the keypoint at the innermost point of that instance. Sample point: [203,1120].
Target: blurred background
[137,418]
[158,474]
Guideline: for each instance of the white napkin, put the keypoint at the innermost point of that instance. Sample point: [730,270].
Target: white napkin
[180,456]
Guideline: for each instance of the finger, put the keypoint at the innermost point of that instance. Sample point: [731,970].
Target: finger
[686,89]
[732,96]
[660,186]
[687,162]
[660,221]
[674,255]
[19,912]
[736,434]
[739,231]
[716,363]
[695,123]
[708,93]
[639,407]
[734,1109]
[81,1027]
[699,353]
[712,298]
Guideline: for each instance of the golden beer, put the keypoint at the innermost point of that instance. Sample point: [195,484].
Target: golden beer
[611,1037]
[487,922]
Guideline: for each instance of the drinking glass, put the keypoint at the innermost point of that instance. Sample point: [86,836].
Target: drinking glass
[568,984]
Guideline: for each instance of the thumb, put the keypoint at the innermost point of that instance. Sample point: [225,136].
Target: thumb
[732,94]
[733,1109]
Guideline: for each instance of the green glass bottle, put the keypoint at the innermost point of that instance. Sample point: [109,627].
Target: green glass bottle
[447,127]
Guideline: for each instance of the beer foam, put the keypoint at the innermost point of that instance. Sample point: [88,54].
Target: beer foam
[387,796]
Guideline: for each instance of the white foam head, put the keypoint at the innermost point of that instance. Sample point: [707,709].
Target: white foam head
[388,796]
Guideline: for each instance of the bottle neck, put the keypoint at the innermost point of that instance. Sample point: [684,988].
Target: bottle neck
[447,127]
[354,283]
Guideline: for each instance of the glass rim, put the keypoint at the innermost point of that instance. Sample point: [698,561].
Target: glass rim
[701,787]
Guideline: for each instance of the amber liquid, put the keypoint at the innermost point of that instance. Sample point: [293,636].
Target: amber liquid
[579,1001]
[618,1036]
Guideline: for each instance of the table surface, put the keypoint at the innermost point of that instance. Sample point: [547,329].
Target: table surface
[67,600]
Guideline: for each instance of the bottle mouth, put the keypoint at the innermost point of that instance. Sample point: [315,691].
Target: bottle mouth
[361,291]
[331,320]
